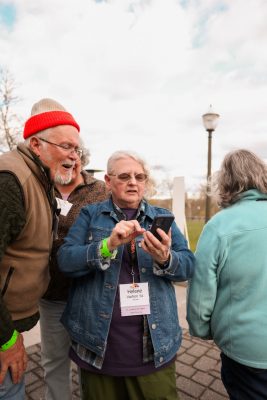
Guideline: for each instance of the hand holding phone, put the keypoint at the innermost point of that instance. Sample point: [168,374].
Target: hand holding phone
[162,221]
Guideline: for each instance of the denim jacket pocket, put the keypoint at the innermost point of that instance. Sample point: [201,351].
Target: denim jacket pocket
[95,234]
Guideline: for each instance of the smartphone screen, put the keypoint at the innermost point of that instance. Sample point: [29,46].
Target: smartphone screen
[163,222]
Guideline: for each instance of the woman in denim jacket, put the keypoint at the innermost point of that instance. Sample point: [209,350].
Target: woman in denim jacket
[122,312]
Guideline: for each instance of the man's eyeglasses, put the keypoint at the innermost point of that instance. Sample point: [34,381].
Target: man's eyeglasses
[124,177]
[65,146]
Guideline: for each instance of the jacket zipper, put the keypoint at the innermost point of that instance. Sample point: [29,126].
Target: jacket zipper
[10,272]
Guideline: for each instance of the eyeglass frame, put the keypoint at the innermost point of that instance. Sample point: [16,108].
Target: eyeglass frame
[66,147]
[130,177]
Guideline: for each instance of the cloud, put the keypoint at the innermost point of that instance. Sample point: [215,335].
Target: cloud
[139,74]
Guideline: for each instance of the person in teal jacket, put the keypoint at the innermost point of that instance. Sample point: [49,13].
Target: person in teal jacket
[227,296]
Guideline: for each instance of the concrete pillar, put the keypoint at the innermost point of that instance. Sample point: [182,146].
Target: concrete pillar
[178,204]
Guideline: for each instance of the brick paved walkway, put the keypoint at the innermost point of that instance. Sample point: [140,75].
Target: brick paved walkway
[197,367]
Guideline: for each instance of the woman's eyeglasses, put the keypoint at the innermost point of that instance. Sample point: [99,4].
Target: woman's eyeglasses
[126,177]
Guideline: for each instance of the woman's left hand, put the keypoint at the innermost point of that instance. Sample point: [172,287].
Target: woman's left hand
[159,251]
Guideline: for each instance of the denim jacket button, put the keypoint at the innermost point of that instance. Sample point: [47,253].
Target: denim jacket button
[143,270]
[153,326]
[161,359]
[139,244]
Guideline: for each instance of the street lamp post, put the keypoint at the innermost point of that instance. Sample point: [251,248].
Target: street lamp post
[210,121]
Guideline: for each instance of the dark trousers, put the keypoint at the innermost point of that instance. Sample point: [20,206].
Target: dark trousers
[243,382]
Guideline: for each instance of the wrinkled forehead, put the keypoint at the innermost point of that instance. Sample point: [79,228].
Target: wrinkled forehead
[64,134]
[126,165]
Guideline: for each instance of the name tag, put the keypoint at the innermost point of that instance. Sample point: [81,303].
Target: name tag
[64,206]
[134,299]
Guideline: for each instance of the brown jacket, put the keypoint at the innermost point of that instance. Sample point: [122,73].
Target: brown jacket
[91,191]
[24,275]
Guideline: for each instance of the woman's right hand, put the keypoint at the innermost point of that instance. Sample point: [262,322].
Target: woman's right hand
[124,232]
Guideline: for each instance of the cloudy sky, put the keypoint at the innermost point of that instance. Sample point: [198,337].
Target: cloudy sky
[138,74]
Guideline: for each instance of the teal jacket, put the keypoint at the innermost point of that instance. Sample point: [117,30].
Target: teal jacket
[227,296]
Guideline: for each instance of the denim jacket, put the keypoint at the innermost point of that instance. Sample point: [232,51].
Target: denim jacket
[89,308]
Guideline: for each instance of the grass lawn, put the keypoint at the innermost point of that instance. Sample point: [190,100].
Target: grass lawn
[194,228]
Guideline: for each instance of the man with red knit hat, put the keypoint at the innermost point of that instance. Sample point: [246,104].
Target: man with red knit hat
[27,223]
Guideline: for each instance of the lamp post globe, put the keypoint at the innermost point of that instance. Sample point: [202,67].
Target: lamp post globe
[210,121]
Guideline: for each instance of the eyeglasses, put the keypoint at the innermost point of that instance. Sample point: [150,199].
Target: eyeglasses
[124,177]
[65,146]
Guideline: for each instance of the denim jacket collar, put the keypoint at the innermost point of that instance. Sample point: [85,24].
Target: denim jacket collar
[144,210]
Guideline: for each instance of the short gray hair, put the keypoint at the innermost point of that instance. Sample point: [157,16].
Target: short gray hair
[85,158]
[41,134]
[241,170]
[122,154]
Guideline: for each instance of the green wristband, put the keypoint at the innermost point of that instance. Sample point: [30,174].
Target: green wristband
[104,250]
[11,341]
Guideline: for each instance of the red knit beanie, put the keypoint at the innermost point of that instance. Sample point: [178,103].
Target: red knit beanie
[45,114]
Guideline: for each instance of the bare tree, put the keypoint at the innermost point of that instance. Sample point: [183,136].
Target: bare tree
[10,122]
[195,205]
[164,183]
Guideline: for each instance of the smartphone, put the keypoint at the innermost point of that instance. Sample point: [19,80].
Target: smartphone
[162,221]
